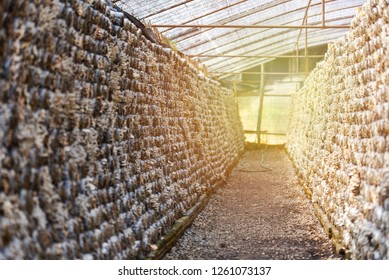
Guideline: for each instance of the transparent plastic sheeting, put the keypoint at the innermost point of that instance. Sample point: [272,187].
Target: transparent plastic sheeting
[248,111]
[269,41]
[275,117]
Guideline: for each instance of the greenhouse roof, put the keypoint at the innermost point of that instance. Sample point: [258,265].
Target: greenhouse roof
[259,30]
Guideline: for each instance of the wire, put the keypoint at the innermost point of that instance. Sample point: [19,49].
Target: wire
[262,156]
[261,162]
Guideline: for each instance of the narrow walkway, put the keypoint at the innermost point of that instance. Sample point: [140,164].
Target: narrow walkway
[257,215]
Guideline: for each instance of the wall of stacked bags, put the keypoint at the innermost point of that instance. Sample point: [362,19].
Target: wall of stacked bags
[339,135]
[106,139]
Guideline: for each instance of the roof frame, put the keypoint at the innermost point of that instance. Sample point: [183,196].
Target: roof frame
[244,37]
[210,13]
[253,47]
[233,35]
[255,11]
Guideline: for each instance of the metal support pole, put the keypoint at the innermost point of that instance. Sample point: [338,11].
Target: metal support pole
[264,73]
[306,53]
[260,109]
[268,133]
[323,12]
[290,67]
[210,13]
[251,26]
[252,56]
[304,22]
[249,81]
[164,9]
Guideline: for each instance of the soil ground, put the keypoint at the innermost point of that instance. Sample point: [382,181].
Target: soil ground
[258,214]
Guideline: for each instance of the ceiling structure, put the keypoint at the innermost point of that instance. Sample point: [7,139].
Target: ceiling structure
[230,36]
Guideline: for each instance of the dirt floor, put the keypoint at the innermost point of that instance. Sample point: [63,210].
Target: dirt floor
[257,215]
